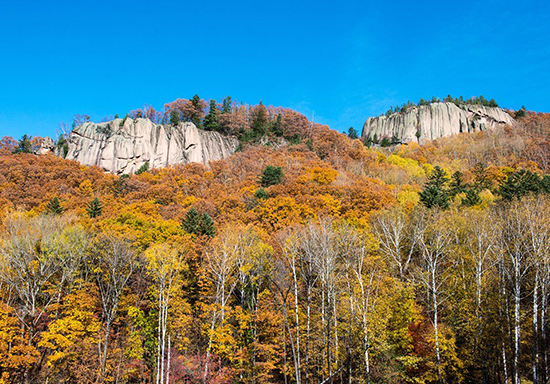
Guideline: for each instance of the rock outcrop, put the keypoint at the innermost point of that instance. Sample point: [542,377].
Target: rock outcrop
[123,146]
[44,146]
[430,122]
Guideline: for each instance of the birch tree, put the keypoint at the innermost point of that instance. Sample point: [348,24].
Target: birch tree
[114,263]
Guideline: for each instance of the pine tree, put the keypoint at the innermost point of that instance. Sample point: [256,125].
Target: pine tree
[434,193]
[261,194]
[519,184]
[191,221]
[94,208]
[206,226]
[197,113]
[174,117]
[456,185]
[259,124]
[24,145]
[143,168]
[271,176]
[226,105]
[54,207]
[472,198]
[197,224]
[352,133]
[212,120]
[277,127]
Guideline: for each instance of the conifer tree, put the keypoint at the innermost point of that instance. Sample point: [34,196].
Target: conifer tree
[206,226]
[94,208]
[226,105]
[271,176]
[259,124]
[352,133]
[435,193]
[54,207]
[472,198]
[191,221]
[519,184]
[456,185]
[212,120]
[24,145]
[261,194]
[174,117]
[143,168]
[197,113]
[277,127]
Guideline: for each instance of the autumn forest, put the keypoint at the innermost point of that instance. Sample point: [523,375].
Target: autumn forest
[308,256]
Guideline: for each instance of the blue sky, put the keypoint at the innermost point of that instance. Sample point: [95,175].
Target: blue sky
[342,61]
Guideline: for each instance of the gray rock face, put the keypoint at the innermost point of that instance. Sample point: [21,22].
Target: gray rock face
[434,121]
[121,146]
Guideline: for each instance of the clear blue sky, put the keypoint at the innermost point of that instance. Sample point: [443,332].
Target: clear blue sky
[343,60]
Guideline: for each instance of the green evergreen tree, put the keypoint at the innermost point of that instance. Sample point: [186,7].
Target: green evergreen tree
[206,226]
[226,105]
[191,221]
[174,117]
[385,142]
[519,184]
[259,123]
[352,133]
[212,119]
[54,207]
[271,176]
[124,120]
[143,168]
[62,146]
[94,208]
[277,127]
[197,113]
[375,139]
[24,145]
[472,198]
[456,185]
[435,193]
[261,194]
[521,112]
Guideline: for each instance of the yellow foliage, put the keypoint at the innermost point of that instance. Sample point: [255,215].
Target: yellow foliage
[86,188]
[319,175]
[280,212]
[408,199]
[487,198]
[15,352]
[69,337]
[409,165]
[428,168]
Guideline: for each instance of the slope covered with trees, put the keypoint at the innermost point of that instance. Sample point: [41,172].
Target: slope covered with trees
[313,260]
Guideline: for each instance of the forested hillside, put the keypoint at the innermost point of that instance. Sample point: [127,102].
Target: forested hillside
[306,257]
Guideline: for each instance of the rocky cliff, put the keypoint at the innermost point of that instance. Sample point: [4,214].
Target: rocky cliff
[433,121]
[123,146]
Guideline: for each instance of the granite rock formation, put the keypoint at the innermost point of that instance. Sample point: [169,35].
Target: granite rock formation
[123,146]
[430,122]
